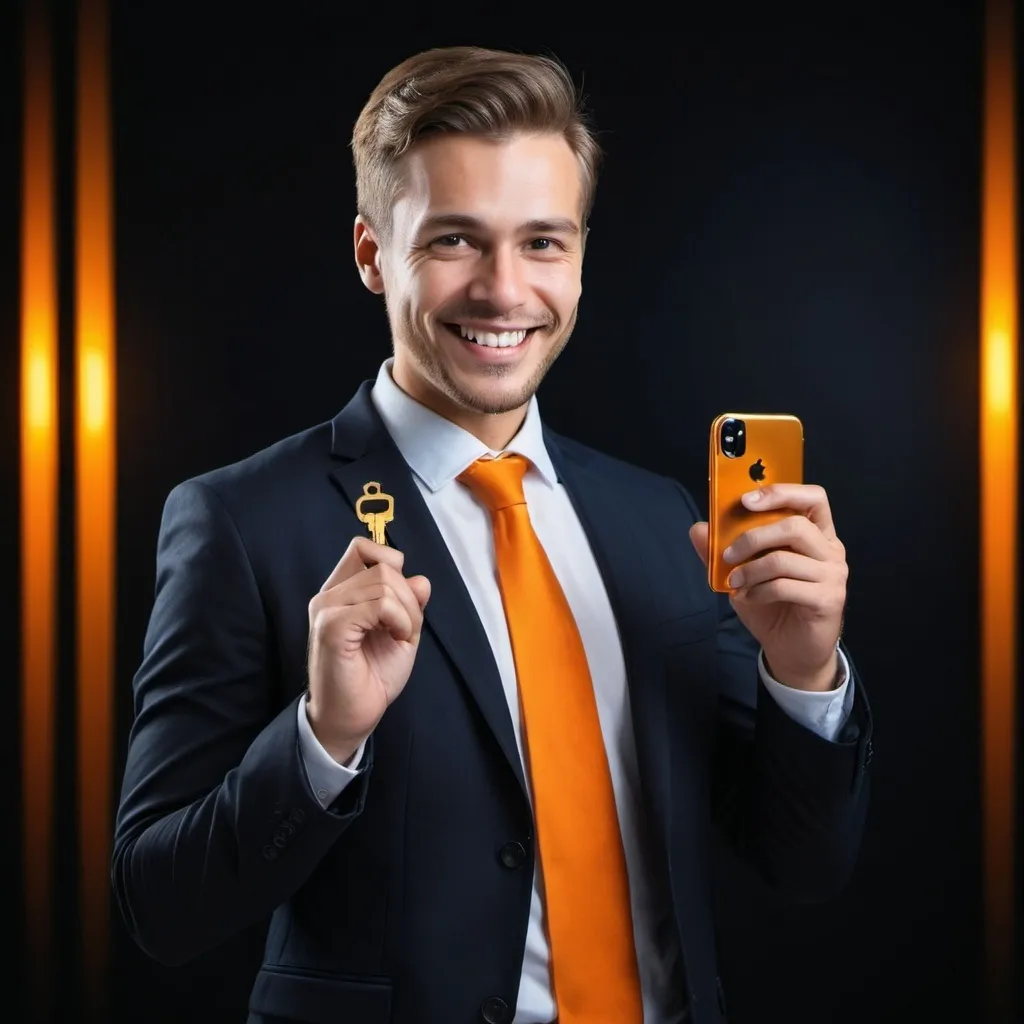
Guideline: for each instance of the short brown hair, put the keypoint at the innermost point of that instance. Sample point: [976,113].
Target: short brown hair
[492,93]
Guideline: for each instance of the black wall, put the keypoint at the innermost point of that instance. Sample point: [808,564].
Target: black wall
[788,220]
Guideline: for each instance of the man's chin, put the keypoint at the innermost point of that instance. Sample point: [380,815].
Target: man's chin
[475,382]
[494,395]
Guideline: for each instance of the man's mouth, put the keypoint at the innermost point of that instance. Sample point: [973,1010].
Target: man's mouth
[492,338]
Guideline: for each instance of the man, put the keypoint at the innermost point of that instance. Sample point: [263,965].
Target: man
[471,772]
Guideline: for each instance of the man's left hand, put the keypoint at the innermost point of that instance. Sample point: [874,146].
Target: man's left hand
[792,592]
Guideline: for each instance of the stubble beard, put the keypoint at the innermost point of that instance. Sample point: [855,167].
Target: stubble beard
[435,370]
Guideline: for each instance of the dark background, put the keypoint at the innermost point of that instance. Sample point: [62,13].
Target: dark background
[788,220]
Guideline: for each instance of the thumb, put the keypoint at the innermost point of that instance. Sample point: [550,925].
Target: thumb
[420,586]
[699,537]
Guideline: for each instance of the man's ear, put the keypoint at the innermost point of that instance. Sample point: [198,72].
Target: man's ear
[368,255]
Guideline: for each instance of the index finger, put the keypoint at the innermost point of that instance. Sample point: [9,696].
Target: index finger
[361,553]
[806,499]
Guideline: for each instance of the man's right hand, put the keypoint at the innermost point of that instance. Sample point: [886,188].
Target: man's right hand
[364,630]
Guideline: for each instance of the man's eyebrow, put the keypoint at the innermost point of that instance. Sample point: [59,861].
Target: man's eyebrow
[552,226]
[463,221]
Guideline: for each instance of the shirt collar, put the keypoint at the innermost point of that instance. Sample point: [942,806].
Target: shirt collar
[436,449]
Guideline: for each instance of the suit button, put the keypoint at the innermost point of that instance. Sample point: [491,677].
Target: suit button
[512,854]
[495,1011]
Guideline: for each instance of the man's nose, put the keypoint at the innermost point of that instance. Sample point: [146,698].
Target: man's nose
[499,280]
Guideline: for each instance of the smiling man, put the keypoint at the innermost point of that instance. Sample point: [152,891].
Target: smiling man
[471,774]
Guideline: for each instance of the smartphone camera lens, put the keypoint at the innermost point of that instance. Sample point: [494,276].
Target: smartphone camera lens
[734,438]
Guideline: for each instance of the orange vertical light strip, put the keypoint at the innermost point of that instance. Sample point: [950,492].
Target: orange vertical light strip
[39,481]
[999,484]
[95,487]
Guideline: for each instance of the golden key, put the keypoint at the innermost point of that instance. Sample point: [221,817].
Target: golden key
[375,521]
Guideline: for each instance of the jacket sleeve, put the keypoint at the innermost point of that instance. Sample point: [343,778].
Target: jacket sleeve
[791,803]
[217,824]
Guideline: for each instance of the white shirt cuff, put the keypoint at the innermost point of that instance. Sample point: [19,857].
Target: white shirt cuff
[326,777]
[824,713]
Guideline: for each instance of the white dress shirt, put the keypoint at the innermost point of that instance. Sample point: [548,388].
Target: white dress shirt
[437,451]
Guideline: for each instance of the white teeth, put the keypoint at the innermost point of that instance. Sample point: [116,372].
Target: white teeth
[506,339]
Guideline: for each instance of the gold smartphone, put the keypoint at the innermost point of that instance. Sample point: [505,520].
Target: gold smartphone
[747,451]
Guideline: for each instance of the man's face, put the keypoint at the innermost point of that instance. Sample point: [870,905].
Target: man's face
[481,272]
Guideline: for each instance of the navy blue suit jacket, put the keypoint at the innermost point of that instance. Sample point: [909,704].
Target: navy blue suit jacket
[402,903]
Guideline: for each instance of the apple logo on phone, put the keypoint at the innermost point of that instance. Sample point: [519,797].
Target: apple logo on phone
[757,472]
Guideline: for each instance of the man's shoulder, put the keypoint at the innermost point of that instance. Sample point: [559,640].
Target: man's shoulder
[658,493]
[596,461]
[278,468]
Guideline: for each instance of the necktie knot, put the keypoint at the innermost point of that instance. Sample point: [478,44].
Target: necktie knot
[497,483]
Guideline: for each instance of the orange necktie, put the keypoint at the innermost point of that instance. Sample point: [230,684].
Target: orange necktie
[590,927]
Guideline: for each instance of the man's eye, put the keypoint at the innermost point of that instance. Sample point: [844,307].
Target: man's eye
[450,241]
[541,244]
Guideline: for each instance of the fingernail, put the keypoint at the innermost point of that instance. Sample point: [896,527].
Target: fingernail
[736,578]
[751,497]
[728,554]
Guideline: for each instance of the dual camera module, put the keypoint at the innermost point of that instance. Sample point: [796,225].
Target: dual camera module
[733,438]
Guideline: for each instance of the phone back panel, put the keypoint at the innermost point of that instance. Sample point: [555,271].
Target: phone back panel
[775,444]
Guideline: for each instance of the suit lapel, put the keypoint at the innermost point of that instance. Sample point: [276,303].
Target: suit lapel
[364,451]
[617,547]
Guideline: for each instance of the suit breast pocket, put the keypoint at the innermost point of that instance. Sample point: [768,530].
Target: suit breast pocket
[290,994]
[690,664]
[693,627]
[689,651]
